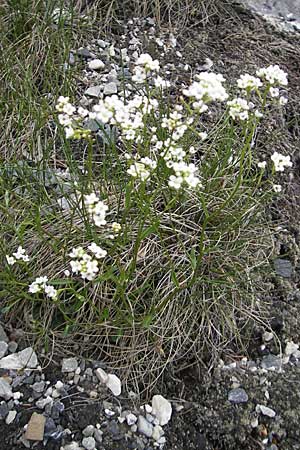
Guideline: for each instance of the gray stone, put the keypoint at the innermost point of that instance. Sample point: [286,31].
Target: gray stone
[50,428]
[57,409]
[71,59]
[10,417]
[3,335]
[266,411]
[96,64]
[28,358]
[5,389]
[110,88]
[102,43]
[92,125]
[84,53]
[94,91]
[88,431]
[72,446]
[12,346]
[3,410]
[3,348]
[238,395]
[89,443]
[283,267]
[39,386]
[144,427]
[25,441]
[271,362]
[69,365]
[43,402]
[98,435]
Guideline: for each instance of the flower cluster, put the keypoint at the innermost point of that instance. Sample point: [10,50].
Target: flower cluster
[96,209]
[239,108]
[143,66]
[71,119]
[184,174]
[84,263]
[273,75]
[128,116]
[19,255]
[280,161]
[206,89]
[40,285]
[249,82]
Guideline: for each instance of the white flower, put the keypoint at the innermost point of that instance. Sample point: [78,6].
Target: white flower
[50,291]
[77,252]
[249,82]
[82,111]
[258,114]
[138,170]
[34,288]
[75,266]
[98,251]
[161,83]
[149,162]
[274,92]
[238,108]
[65,120]
[10,260]
[38,285]
[262,164]
[280,161]
[41,280]
[21,254]
[207,88]
[203,135]
[70,132]
[139,75]
[185,173]
[273,74]
[146,60]
[175,182]
[96,209]
[283,100]
[277,188]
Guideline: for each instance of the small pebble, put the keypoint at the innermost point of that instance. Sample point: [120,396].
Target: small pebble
[10,417]
[96,64]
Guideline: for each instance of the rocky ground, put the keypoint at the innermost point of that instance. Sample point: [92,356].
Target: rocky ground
[250,401]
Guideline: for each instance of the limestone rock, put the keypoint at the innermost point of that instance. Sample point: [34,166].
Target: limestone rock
[162,409]
[114,384]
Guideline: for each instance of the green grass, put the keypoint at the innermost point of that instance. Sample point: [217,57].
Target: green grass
[179,280]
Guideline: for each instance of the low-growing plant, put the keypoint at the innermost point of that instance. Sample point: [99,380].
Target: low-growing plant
[147,249]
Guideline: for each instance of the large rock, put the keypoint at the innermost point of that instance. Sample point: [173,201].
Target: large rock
[3,335]
[5,389]
[114,384]
[144,427]
[3,348]
[25,359]
[162,409]
[69,365]
[35,428]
